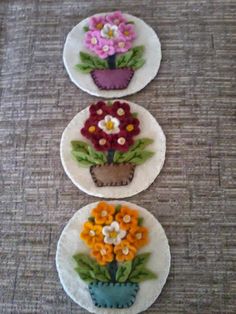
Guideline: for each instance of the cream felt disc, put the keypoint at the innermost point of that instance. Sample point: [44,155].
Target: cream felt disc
[70,244]
[144,174]
[152,55]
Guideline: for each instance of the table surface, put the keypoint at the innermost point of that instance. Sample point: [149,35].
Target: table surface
[194,197]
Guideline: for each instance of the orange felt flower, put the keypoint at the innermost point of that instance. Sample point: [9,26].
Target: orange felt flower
[138,236]
[103,253]
[124,251]
[127,218]
[91,234]
[103,213]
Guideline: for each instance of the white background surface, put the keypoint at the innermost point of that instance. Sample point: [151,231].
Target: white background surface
[144,174]
[70,244]
[152,55]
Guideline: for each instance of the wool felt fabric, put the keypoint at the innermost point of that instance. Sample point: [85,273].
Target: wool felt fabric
[144,174]
[70,244]
[152,54]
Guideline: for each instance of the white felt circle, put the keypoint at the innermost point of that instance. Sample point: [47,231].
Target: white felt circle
[152,55]
[70,244]
[144,174]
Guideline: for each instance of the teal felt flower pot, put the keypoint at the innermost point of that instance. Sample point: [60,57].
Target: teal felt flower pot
[113,295]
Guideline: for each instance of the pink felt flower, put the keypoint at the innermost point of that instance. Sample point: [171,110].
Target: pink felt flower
[127,31]
[96,22]
[116,18]
[92,39]
[122,45]
[105,48]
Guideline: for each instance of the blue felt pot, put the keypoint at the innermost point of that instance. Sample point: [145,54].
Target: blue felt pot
[113,295]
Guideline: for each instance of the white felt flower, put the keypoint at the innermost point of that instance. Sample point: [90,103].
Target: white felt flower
[109,125]
[113,234]
[109,31]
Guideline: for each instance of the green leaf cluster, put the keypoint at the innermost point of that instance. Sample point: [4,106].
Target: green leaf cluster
[136,154]
[85,155]
[90,63]
[89,270]
[135,271]
[131,59]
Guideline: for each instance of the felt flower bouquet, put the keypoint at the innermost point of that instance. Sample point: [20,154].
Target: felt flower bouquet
[111,127]
[113,60]
[114,269]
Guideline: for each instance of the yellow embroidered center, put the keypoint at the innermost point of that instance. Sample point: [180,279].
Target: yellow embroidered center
[121,140]
[99,111]
[94,41]
[125,250]
[121,44]
[110,33]
[126,33]
[91,129]
[139,236]
[126,219]
[120,112]
[109,125]
[103,252]
[113,234]
[130,127]
[99,26]
[102,141]
[92,233]
[104,213]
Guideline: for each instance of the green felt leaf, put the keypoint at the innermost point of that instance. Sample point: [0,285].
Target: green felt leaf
[85,68]
[134,114]
[79,146]
[98,157]
[99,63]
[140,260]
[83,159]
[90,269]
[138,51]
[141,143]
[91,219]
[123,59]
[130,22]
[86,28]
[137,63]
[84,275]
[141,274]
[140,221]
[123,271]
[92,62]
[87,59]
[117,208]
[139,157]
[117,156]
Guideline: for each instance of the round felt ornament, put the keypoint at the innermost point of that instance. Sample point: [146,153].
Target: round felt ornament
[113,149]
[113,258]
[112,54]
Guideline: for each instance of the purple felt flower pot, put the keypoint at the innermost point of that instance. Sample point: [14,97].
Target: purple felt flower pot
[112,79]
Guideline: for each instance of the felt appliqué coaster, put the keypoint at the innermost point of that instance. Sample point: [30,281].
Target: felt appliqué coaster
[112,54]
[113,257]
[113,149]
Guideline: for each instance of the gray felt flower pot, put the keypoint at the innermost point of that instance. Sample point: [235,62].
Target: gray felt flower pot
[112,174]
[113,295]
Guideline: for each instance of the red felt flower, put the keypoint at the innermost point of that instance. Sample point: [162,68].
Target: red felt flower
[121,110]
[90,129]
[122,141]
[102,142]
[99,110]
[131,126]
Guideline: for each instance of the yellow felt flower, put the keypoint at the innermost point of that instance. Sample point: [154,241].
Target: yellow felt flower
[124,251]
[91,234]
[103,213]
[127,218]
[138,236]
[103,253]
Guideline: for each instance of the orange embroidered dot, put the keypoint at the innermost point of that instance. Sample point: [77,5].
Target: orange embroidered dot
[92,129]
[130,127]
[126,33]
[99,26]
